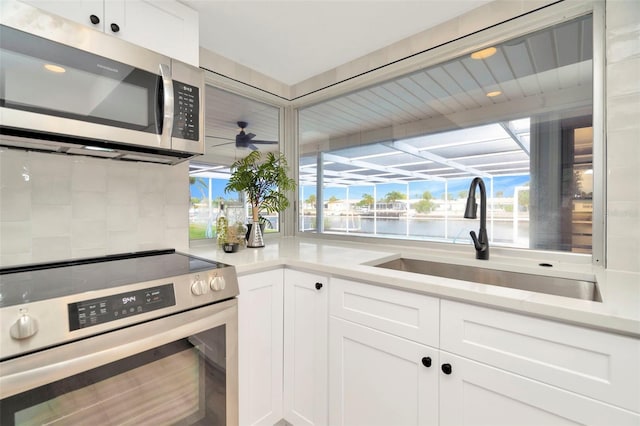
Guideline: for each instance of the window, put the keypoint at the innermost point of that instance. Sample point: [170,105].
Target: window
[209,173]
[396,159]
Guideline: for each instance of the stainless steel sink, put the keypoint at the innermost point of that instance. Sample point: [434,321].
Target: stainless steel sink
[577,289]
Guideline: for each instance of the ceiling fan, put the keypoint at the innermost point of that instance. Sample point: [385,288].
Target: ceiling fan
[246,140]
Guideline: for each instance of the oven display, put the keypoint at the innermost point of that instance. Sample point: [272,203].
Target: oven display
[110,308]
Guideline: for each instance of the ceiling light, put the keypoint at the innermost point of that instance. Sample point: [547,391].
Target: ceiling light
[54,68]
[494,94]
[484,53]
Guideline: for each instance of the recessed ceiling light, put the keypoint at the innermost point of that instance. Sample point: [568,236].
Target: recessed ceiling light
[484,53]
[54,68]
[494,94]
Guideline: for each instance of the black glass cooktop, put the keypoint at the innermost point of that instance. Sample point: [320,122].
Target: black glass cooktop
[44,281]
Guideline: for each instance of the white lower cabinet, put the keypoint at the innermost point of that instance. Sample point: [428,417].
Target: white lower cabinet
[305,348]
[376,378]
[598,365]
[477,394]
[260,344]
[344,353]
[488,367]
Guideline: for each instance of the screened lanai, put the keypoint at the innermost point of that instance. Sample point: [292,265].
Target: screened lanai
[396,159]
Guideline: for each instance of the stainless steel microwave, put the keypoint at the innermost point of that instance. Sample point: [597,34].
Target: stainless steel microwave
[68,89]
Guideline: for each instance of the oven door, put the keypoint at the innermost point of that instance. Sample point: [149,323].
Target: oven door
[181,369]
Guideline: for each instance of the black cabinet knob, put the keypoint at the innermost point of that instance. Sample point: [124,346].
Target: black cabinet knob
[94,19]
[426,361]
[446,368]
[318,286]
[115,28]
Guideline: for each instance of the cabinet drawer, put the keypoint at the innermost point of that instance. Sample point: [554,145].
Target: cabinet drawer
[593,363]
[404,314]
[477,394]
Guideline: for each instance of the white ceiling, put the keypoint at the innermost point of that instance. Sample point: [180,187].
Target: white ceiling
[293,40]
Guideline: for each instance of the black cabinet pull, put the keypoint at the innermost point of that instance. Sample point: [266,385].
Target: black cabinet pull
[318,286]
[94,19]
[446,368]
[426,361]
[115,28]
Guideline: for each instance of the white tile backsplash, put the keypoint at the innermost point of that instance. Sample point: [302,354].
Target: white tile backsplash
[15,205]
[50,220]
[89,176]
[51,189]
[50,248]
[55,207]
[89,234]
[15,238]
[623,134]
[89,205]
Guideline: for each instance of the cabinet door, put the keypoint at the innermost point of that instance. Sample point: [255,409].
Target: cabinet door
[477,394]
[376,378]
[401,313]
[79,11]
[260,347]
[596,364]
[167,27]
[305,348]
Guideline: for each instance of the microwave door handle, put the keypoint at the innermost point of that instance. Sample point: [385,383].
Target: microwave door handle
[167,92]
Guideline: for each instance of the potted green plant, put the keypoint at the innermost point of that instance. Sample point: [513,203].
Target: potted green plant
[264,179]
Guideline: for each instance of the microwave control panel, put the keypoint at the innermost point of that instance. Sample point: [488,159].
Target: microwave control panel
[92,312]
[186,100]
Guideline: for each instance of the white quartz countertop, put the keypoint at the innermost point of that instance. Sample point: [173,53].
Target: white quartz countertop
[619,310]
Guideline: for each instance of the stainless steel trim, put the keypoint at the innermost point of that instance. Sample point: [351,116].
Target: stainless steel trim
[575,288]
[167,91]
[24,373]
[52,314]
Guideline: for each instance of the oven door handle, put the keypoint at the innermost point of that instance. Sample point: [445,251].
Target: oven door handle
[30,371]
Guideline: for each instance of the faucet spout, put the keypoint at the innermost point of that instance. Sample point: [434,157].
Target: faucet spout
[481,241]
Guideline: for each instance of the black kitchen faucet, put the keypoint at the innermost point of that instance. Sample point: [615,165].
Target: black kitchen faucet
[481,243]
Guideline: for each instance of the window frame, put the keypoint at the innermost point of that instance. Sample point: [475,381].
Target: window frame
[519,26]
[235,87]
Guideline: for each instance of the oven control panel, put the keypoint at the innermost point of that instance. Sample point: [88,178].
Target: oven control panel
[87,313]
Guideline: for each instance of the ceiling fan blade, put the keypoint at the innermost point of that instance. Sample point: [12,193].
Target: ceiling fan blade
[253,147]
[221,144]
[218,137]
[265,142]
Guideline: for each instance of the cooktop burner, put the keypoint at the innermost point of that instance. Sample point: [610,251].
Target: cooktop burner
[44,281]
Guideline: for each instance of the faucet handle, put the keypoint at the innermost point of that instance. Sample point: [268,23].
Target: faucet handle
[476,243]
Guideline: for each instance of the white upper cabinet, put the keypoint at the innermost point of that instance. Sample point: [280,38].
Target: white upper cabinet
[167,27]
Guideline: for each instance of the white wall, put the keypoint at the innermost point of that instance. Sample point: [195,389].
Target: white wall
[623,134]
[55,207]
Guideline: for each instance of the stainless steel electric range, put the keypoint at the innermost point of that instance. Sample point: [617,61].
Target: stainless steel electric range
[146,337]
